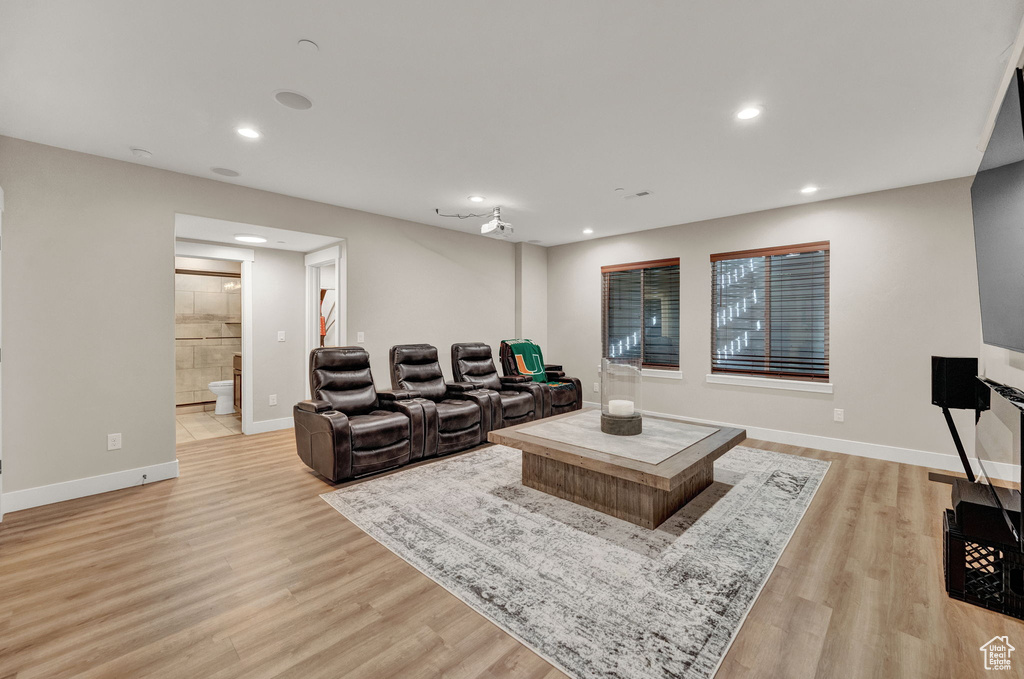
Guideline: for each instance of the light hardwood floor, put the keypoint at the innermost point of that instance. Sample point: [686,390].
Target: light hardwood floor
[239,569]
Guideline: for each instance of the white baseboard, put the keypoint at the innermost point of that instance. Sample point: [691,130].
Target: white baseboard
[263,426]
[920,458]
[93,485]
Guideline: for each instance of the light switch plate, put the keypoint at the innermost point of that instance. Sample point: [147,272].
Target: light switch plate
[360,337]
[280,335]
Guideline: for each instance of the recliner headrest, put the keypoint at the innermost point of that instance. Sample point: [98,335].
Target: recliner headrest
[472,350]
[339,358]
[413,353]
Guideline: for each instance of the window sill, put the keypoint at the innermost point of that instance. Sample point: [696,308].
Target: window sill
[659,373]
[770,383]
[662,373]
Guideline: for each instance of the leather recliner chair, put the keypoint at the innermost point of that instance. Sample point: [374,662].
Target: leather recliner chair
[459,412]
[520,399]
[561,394]
[348,429]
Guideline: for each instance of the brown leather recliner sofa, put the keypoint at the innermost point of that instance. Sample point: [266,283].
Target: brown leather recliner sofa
[348,429]
[520,399]
[460,413]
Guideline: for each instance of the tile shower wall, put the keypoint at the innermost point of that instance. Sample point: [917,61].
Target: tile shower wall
[207,333]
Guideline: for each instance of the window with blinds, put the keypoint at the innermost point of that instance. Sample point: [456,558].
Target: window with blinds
[770,312]
[640,312]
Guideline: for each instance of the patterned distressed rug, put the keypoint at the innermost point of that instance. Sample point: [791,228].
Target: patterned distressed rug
[593,595]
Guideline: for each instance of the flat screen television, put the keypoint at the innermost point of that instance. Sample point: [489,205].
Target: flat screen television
[997,197]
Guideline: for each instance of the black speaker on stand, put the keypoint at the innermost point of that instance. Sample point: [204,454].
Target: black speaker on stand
[955,385]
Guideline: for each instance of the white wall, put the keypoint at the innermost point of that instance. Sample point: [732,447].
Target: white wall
[903,287]
[532,294]
[279,299]
[88,347]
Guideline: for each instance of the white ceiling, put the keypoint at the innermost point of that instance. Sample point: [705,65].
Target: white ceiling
[223,231]
[543,107]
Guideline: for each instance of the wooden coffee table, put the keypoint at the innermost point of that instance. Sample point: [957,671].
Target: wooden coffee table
[639,492]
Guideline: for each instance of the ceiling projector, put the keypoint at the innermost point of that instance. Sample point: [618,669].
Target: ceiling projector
[496,228]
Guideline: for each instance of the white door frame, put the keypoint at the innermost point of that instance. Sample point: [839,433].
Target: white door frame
[246,257]
[336,255]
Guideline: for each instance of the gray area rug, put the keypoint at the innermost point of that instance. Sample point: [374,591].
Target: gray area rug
[660,439]
[593,595]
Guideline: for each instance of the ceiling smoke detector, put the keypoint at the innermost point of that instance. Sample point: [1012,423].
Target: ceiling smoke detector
[496,228]
[640,194]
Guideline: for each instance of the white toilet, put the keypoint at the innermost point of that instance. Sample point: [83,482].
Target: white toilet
[225,391]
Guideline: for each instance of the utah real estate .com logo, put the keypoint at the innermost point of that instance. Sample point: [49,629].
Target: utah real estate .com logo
[997,652]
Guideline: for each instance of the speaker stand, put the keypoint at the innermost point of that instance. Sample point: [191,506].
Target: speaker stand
[959,444]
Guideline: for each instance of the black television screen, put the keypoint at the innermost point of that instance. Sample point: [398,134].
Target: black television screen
[997,197]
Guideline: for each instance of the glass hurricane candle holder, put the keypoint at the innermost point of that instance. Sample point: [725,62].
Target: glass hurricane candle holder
[621,396]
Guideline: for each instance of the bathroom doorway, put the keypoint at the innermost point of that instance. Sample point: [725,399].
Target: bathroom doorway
[207,348]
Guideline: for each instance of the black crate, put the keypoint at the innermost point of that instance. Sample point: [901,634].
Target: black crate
[981,572]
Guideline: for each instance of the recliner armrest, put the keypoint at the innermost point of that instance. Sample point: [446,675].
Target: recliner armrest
[413,409]
[513,379]
[556,375]
[398,395]
[462,387]
[323,440]
[552,367]
[314,406]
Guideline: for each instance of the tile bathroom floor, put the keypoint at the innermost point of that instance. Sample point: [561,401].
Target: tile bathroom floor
[193,423]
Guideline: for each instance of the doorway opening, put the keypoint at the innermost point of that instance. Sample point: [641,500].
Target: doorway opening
[207,348]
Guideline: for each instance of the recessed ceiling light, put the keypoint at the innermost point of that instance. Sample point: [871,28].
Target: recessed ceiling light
[588,231]
[248,133]
[223,171]
[476,199]
[809,189]
[293,100]
[247,238]
[141,153]
[308,46]
[749,112]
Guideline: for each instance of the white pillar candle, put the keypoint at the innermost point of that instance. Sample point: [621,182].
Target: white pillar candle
[620,407]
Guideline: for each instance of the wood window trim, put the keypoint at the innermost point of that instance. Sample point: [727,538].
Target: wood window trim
[650,264]
[769,252]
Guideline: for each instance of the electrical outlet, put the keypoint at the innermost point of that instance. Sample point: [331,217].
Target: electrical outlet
[839,415]
[597,387]
[360,337]
[280,335]
[273,399]
[113,441]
